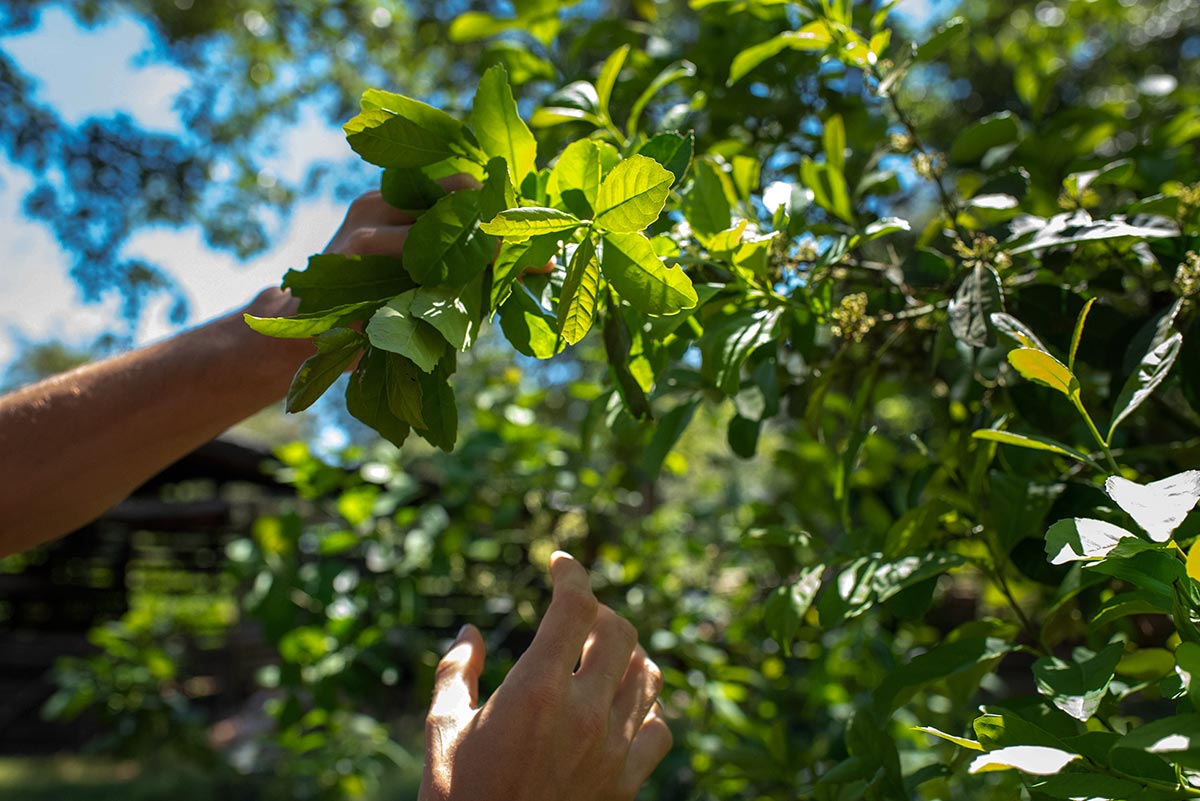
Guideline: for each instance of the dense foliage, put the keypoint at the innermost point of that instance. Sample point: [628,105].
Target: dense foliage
[937,295]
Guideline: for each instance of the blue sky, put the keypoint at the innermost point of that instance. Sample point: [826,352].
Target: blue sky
[97,72]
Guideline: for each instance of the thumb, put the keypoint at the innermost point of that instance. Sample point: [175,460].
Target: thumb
[456,686]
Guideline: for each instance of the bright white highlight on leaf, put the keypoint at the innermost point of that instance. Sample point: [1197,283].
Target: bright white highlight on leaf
[1158,507]
[1172,742]
[1082,538]
[1039,760]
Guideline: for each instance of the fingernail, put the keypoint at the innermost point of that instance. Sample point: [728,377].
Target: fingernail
[554,557]
[461,633]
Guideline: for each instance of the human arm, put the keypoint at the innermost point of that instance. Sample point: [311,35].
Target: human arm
[550,732]
[75,444]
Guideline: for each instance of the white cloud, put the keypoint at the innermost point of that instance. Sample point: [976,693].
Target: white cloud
[37,298]
[216,283]
[97,72]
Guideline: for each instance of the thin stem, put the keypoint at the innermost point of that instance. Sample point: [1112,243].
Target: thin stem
[1087,418]
[948,204]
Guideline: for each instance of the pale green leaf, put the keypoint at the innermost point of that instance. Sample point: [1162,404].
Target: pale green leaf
[964,742]
[395,329]
[636,272]
[517,225]
[389,140]
[812,37]
[498,126]
[607,79]
[1033,442]
[577,305]
[576,177]
[632,196]
[303,326]
[1078,333]
[443,309]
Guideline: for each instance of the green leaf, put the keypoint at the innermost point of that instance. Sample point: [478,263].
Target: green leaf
[729,340]
[1038,760]
[409,189]
[515,258]
[336,349]
[1149,375]
[333,280]
[1077,686]
[814,36]
[395,329]
[1042,368]
[303,326]
[634,270]
[667,432]
[941,662]
[1175,738]
[1078,333]
[834,141]
[390,140]
[367,398]
[524,223]
[1000,728]
[829,188]
[786,607]
[990,132]
[498,126]
[445,246]
[1091,786]
[673,151]
[581,287]
[527,326]
[618,345]
[1078,227]
[609,71]
[438,406]
[404,396]
[707,205]
[632,196]
[742,436]
[576,177]
[1187,666]
[971,310]
[1033,442]
[498,193]
[672,73]
[471,26]
[443,310]
[1012,327]
[963,742]
[1082,538]
[942,39]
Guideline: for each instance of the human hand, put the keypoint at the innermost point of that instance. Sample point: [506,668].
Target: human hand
[550,732]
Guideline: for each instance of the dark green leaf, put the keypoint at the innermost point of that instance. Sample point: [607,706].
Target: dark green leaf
[990,132]
[404,395]
[410,189]
[334,280]
[1150,373]
[527,326]
[1077,686]
[336,350]
[639,275]
[445,246]
[367,398]
[438,406]
[667,432]
[673,151]
[971,310]
[396,329]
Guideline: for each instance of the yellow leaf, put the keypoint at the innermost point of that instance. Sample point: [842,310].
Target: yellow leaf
[1044,369]
[1193,561]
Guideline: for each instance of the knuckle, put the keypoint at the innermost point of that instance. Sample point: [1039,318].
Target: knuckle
[623,629]
[580,603]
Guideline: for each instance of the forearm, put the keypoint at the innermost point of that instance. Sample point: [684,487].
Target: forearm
[74,445]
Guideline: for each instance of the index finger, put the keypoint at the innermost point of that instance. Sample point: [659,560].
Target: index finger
[568,621]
